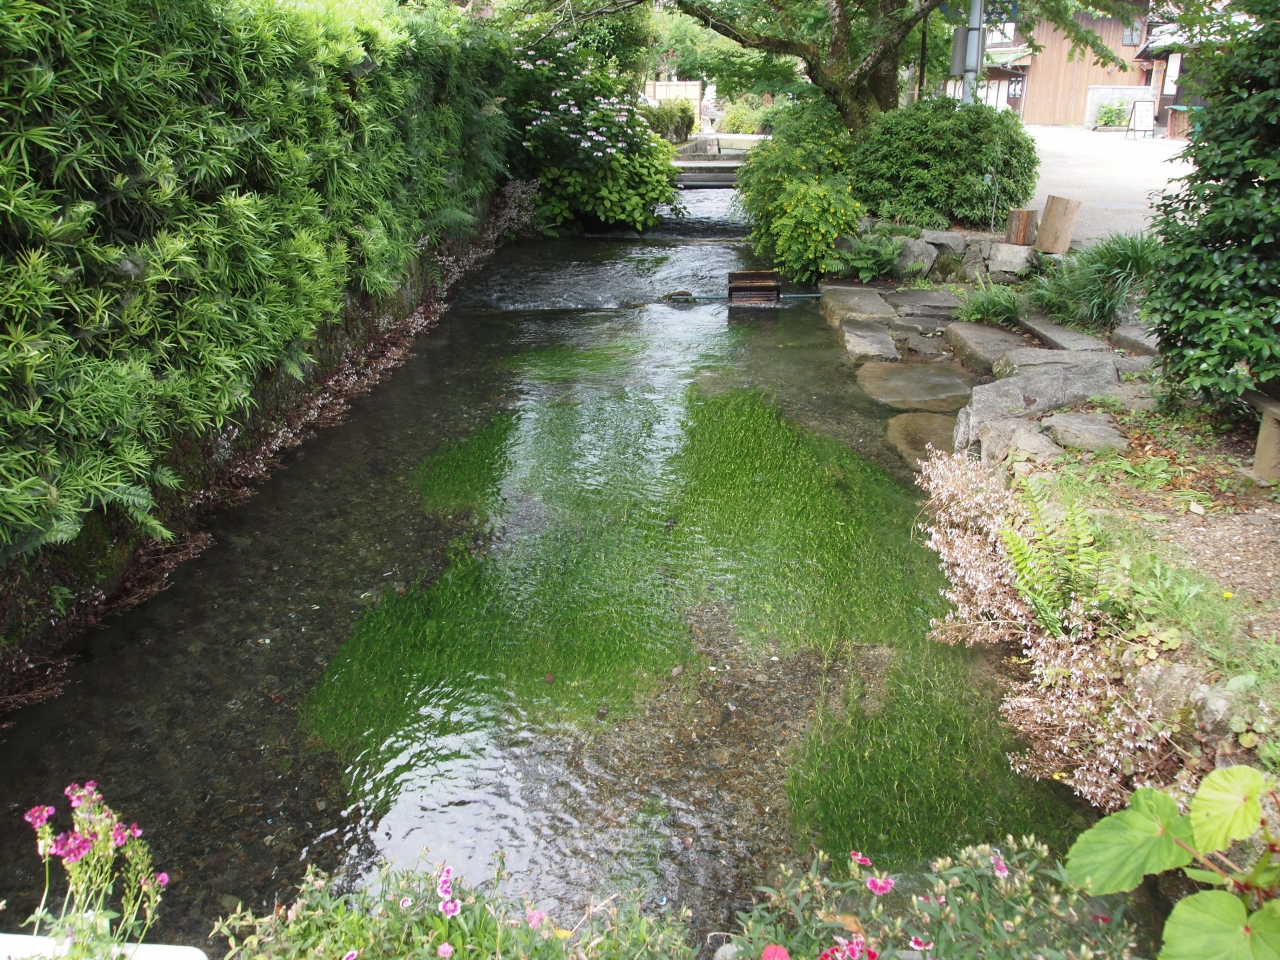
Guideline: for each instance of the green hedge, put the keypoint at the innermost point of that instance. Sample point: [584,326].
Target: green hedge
[187,190]
[1216,295]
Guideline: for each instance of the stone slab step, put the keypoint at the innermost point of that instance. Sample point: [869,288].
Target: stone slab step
[923,302]
[929,387]
[1136,339]
[978,346]
[914,433]
[839,304]
[1030,359]
[1058,336]
[867,340]
[914,324]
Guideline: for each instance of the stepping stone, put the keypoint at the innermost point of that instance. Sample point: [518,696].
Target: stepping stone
[1029,395]
[918,325]
[978,346]
[1031,359]
[948,241]
[999,438]
[1085,431]
[935,387]
[1060,337]
[1136,339]
[923,303]
[928,346]
[866,340]
[912,433]
[853,303]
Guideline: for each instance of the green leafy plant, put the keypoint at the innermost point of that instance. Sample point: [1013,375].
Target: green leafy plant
[673,120]
[937,162]
[874,254]
[990,303]
[1214,298]
[1113,115]
[431,914]
[1089,287]
[741,116]
[586,140]
[1224,842]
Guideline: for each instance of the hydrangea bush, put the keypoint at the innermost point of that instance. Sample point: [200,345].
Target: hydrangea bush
[113,889]
[586,141]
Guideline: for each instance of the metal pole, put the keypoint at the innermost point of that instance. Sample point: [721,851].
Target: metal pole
[924,52]
[972,53]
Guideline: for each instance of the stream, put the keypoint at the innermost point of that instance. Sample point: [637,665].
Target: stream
[624,590]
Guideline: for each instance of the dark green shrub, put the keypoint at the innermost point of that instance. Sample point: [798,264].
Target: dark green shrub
[937,162]
[990,303]
[1090,286]
[1216,297]
[187,191]
[742,116]
[585,140]
[673,120]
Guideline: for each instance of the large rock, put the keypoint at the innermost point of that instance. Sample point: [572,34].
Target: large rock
[928,346]
[1085,431]
[1060,337]
[839,304]
[995,437]
[867,340]
[935,387]
[979,346]
[1128,364]
[1136,339]
[1008,262]
[1029,395]
[923,303]
[1030,359]
[922,325]
[915,260]
[947,241]
[973,267]
[913,433]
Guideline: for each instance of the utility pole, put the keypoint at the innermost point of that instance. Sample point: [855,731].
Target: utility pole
[973,53]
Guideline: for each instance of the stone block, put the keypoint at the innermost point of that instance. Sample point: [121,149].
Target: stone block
[973,268]
[945,240]
[1008,262]
[948,268]
[1085,431]
[913,433]
[1029,395]
[927,346]
[867,340]
[1136,339]
[978,346]
[931,303]
[1127,363]
[918,325]
[933,387]
[839,304]
[1060,337]
[915,260]
[1031,359]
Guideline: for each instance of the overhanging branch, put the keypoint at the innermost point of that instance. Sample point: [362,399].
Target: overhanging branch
[889,43]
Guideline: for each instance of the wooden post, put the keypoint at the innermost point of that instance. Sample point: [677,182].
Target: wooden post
[1057,225]
[1266,456]
[1022,227]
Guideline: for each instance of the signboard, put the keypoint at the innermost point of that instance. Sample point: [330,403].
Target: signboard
[1142,118]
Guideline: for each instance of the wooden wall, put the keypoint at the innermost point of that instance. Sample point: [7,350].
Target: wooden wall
[1057,87]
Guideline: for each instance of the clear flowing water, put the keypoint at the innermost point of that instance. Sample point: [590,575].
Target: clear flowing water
[621,589]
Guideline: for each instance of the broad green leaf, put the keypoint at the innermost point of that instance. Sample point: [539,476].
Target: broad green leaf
[1227,807]
[1118,851]
[1204,876]
[1213,925]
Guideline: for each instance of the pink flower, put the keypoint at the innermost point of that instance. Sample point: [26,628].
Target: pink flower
[119,835]
[38,816]
[72,846]
[351,955]
[405,903]
[535,917]
[162,880]
[444,950]
[1100,918]
[859,858]
[880,885]
[450,908]
[918,944]
[997,864]
[775,952]
[444,887]
[135,830]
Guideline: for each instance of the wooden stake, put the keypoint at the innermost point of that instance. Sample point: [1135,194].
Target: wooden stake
[1057,225]
[1022,227]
